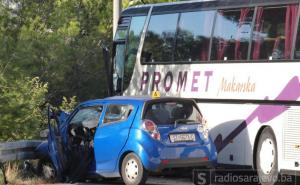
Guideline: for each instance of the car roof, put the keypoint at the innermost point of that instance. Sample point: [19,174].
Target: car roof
[130,98]
[115,99]
[122,99]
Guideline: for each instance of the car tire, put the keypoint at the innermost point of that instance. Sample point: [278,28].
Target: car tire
[267,157]
[133,171]
[46,169]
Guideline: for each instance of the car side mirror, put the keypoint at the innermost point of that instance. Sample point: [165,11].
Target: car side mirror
[44,133]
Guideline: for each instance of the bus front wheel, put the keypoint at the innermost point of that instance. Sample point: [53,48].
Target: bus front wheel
[266,157]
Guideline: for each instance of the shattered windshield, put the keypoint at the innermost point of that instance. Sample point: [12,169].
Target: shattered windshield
[87,114]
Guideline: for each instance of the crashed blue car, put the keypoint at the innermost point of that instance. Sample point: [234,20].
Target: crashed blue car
[127,137]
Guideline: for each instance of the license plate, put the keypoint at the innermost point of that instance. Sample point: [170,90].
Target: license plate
[182,138]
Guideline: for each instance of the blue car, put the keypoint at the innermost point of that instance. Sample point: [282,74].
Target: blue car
[128,137]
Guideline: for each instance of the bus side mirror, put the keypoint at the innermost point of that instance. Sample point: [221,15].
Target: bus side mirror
[106,59]
[119,85]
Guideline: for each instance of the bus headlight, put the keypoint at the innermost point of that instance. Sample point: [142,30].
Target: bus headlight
[203,128]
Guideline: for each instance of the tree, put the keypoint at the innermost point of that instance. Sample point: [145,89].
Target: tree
[49,50]
[127,3]
[58,41]
[21,115]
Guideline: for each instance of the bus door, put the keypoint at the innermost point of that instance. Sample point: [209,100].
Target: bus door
[118,67]
[119,49]
[126,43]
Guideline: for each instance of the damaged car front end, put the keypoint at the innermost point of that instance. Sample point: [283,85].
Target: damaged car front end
[67,154]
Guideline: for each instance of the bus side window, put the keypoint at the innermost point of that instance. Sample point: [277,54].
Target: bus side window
[232,33]
[297,47]
[160,38]
[273,32]
[193,37]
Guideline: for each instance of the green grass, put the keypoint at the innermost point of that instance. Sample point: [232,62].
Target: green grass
[1,178]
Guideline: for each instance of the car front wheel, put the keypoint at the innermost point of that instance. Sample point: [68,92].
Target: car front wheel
[133,171]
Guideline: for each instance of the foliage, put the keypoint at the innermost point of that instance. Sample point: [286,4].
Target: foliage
[20,108]
[136,2]
[49,53]
[58,41]
[68,105]
[1,178]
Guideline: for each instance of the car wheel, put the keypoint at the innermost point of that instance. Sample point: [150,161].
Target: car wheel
[266,157]
[133,171]
[46,169]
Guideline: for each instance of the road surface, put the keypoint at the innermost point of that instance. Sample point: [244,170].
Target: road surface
[167,181]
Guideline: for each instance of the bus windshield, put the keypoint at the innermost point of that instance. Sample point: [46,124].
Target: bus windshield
[126,43]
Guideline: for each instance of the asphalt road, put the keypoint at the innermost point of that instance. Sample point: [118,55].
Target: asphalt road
[219,177]
[150,181]
[169,181]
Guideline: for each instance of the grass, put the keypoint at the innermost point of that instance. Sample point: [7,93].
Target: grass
[1,178]
[16,176]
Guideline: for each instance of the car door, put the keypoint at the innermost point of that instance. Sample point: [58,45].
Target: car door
[57,141]
[61,143]
[81,128]
[112,134]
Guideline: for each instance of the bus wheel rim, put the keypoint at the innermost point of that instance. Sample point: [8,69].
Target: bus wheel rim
[267,156]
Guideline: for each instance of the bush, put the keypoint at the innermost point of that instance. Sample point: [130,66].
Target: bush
[68,105]
[21,103]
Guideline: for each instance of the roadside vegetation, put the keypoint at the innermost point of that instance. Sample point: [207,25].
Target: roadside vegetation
[1,178]
[17,175]
[14,175]
[49,55]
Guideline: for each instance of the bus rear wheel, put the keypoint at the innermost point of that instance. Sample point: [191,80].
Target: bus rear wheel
[266,158]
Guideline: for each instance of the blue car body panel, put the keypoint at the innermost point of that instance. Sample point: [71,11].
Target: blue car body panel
[111,138]
[114,140]
[57,139]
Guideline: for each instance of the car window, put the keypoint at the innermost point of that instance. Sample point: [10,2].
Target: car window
[88,117]
[171,112]
[117,112]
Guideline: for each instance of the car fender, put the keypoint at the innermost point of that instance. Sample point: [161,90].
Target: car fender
[147,149]
[213,152]
[42,150]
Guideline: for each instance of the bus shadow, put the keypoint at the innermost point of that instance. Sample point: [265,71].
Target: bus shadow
[233,144]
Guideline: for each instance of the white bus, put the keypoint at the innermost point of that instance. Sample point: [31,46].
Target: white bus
[239,59]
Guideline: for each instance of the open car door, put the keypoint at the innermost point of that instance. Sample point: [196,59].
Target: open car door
[70,141]
[57,141]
